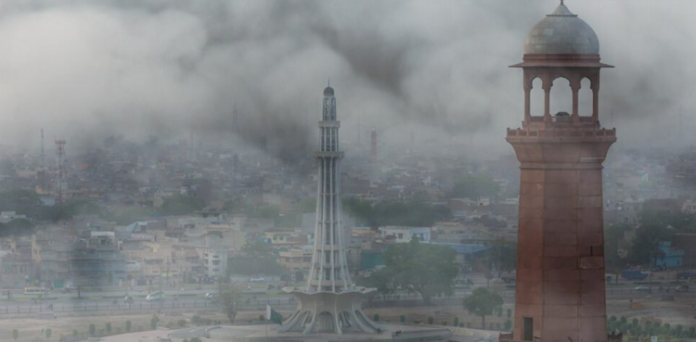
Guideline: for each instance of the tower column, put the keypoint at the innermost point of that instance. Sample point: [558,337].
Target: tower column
[527,102]
[575,88]
[547,100]
[595,103]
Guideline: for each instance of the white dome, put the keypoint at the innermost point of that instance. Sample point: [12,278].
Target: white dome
[561,32]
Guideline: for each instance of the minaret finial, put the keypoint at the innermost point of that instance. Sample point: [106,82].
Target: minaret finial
[329,82]
[562,2]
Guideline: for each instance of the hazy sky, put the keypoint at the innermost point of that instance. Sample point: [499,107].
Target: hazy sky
[88,69]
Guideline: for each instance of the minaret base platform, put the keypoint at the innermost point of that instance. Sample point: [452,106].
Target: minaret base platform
[329,312]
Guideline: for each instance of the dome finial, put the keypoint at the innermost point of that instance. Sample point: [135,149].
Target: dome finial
[562,2]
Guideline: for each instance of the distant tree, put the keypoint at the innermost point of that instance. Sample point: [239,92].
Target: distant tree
[229,298]
[645,245]
[48,332]
[257,249]
[108,327]
[500,257]
[475,187]
[612,235]
[128,326]
[181,205]
[24,202]
[15,334]
[409,213]
[17,227]
[483,302]
[92,329]
[426,269]
[257,258]
[382,280]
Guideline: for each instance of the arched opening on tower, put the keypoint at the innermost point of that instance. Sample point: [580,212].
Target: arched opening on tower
[537,98]
[561,96]
[585,98]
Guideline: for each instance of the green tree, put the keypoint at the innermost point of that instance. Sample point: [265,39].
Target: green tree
[48,332]
[17,227]
[482,302]
[500,257]
[24,202]
[257,258]
[229,298]
[475,187]
[645,246]
[92,329]
[426,269]
[181,205]
[128,326]
[108,327]
[409,213]
[613,261]
[15,334]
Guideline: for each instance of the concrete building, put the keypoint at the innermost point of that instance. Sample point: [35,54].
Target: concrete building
[214,261]
[560,292]
[297,259]
[64,259]
[669,257]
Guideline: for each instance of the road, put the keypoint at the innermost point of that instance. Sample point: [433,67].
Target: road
[194,299]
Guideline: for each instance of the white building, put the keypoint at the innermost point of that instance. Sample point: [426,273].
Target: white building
[214,261]
[406,234]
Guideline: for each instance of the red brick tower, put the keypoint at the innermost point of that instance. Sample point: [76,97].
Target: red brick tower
[560,262]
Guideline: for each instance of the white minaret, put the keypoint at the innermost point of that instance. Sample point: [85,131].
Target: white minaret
[330,302]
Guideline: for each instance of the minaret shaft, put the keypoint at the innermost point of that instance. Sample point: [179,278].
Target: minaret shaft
[329,268]
[329,302]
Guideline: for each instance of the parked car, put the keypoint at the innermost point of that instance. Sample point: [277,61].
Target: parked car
[643,288]
[128,299]
[686,275]
[634,274]
[211,297]
[155,296]
[682,288]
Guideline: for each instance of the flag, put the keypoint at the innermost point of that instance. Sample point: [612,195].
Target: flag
[273,315]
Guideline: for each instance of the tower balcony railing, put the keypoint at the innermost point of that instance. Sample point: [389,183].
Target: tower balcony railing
[532,132]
